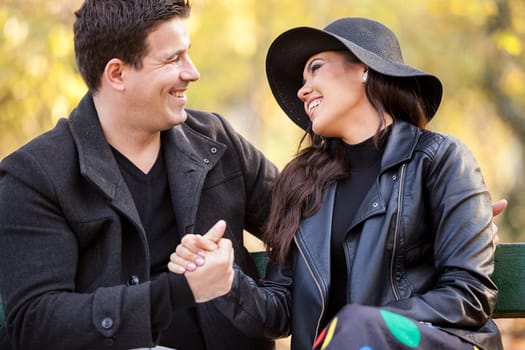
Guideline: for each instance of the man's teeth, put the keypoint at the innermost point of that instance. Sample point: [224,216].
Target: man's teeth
[177,93]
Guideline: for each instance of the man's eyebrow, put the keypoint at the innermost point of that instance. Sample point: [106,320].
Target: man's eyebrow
[172,55]
[177,53]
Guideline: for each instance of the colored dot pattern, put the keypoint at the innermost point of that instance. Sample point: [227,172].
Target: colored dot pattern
[330,333]
[402,328]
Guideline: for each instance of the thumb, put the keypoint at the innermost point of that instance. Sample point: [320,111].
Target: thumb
[216,232]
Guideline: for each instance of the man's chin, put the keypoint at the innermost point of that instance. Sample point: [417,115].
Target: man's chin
[178,118]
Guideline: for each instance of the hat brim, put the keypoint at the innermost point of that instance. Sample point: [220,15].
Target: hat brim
[290,51]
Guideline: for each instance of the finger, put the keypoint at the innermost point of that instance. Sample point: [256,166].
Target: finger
[499,206]
[187,258]
[226,244]
[196,244]
[188,265]
[205,245]
[495,239]
[216,232]
[230,264]
[175,268]
[232,257]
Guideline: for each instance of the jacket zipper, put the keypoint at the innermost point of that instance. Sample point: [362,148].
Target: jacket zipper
[323,302]
[396,229]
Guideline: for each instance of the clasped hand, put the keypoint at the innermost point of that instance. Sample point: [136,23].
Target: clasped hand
[206,262]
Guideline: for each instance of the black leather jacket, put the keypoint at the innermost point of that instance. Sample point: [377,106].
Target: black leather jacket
[424,251]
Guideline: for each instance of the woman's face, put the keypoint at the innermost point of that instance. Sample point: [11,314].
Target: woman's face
[334,97]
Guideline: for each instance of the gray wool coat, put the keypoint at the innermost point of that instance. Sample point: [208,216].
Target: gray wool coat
[70,235]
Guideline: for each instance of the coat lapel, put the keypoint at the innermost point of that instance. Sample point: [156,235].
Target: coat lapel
[399,149]
[372,204]
[97,162]
[188,163]
[314,237]
[189,157]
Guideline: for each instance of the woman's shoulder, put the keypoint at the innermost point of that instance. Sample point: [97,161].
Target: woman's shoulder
[434,142]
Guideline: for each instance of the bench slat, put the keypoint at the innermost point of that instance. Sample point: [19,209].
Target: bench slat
[509,276]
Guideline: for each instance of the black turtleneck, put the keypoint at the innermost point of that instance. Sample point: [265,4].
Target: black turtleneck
[364,161]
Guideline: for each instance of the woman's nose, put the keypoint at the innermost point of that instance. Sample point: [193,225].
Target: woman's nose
[304,91]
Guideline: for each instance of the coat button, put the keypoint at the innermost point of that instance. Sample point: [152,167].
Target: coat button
[375,204]
[134,280]
[206,160]
[213,150]
[107,323]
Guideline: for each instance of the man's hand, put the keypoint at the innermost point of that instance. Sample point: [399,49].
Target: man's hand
[213,278]
[190,253]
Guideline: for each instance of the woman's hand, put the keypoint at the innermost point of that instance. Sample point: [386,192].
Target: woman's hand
[497,208]
[191,252]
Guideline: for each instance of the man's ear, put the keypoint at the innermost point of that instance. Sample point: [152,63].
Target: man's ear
[114,73]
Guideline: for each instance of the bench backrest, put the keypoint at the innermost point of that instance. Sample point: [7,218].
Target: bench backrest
[509,276]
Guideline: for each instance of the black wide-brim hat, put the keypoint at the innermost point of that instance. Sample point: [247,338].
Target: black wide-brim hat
[371,42]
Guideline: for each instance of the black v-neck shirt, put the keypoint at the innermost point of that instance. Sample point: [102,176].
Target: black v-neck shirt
[151,194]
[172,304]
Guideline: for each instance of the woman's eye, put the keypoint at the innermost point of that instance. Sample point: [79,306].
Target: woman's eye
[315,66]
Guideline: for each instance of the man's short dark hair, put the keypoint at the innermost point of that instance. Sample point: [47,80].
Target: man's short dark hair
[106,29]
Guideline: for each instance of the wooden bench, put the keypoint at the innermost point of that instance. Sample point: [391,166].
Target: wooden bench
[509,276]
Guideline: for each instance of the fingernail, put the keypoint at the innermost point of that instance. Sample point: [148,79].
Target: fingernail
[181,269]
[191,266]
[199,261]
[201,253]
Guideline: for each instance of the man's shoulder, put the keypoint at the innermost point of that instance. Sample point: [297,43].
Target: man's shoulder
[201,119]
[48,145]
[208,124]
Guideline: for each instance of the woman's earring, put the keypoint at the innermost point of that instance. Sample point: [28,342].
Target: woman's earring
[364,77]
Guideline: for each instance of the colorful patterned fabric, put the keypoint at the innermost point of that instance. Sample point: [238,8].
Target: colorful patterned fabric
[358,327]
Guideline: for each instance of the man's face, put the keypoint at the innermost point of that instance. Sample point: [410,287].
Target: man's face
[157,92]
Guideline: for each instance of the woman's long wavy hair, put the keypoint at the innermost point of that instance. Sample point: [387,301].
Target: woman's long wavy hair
[299,188]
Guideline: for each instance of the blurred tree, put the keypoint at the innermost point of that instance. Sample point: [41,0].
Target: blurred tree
[448,38]
[475,47]
[38,80]
[503,83]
